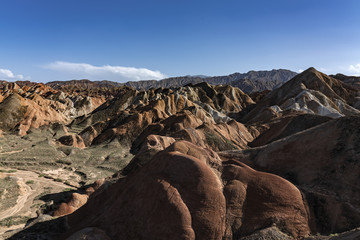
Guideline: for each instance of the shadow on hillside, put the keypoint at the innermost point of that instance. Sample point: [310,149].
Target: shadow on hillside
[42,230]
[44,226]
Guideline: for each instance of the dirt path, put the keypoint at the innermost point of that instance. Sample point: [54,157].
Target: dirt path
[12,152]
[31,185]
[20,202]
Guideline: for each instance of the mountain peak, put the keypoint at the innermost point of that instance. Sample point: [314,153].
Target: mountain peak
[311,69]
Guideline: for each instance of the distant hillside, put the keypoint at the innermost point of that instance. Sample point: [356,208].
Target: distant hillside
[83,83]
[350,80]
[251,81]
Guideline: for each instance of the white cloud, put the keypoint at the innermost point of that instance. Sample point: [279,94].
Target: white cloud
[300,70]
[6,74]
[85,70]
[354,68]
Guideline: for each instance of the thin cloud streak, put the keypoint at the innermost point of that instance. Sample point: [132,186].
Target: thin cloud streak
[105,72]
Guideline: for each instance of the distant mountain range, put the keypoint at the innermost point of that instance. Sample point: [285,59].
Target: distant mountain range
[251,81]
[349,80]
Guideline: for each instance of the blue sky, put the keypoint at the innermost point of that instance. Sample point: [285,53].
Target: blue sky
[44,40]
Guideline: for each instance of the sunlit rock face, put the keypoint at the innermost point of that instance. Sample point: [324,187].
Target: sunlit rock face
[309,92]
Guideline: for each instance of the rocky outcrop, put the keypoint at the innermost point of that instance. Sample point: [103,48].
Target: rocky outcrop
[34,105]
[78,199]
[323,162]
[192,194]
[72,140]
[309,92]
[89,233]
[133,116]
[256,200]
[152,145]
[282,127]
[353,81]
[271,233]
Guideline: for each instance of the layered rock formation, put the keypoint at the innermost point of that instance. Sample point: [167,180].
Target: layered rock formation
[309,92]
[353,82]
[186,192]
[196,112]
[211,162]
[323,162]
[34,105]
